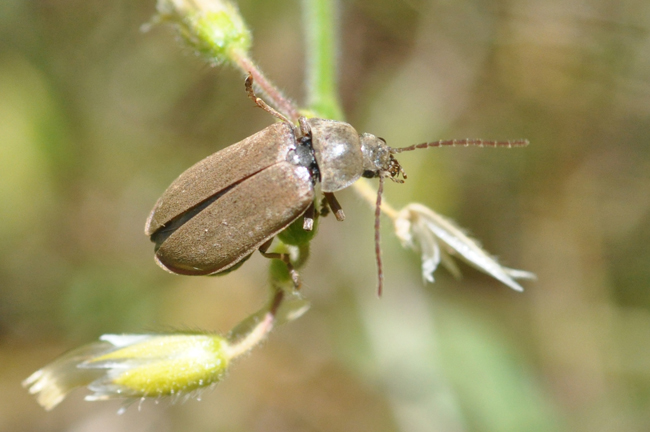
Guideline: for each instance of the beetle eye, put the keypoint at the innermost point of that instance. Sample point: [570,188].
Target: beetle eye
[369,174]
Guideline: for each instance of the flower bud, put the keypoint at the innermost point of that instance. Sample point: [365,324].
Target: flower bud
[134,366]
[214,28]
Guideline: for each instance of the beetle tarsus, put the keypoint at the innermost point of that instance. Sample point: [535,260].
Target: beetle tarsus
[284,257]
[295,276]
[324,209]
[308,218]
[335,206]
[305,129]
[260,102]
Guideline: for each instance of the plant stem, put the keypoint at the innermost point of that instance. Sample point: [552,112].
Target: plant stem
[254,329]
[363,188]
[303,255]
[321,29]
[320,18]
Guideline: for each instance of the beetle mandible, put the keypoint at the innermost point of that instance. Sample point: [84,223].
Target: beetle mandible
[222,209]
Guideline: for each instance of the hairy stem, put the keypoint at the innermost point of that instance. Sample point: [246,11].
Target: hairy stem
[321,33]
[256,333]
[321,29]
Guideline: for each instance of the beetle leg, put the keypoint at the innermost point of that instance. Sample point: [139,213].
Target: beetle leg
[324,208]
[308,218]
[295,277]
[260,102]
[335,206]
[305,129]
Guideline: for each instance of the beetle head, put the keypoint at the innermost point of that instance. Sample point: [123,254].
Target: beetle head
[378,160]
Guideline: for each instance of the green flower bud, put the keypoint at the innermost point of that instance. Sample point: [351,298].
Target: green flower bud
[159,366]
[134,366]
[214,28]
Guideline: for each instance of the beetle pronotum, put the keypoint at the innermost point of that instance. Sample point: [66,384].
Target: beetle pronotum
[222,209]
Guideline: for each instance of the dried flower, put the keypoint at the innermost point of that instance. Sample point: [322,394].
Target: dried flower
[420,228]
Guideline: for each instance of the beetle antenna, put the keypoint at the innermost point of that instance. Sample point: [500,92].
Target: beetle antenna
[467,142]
[260,102]
[380,269]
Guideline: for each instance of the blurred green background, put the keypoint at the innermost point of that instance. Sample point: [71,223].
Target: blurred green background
[97,118]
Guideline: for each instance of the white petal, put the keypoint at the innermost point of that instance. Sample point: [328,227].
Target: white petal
[449,263]
[430,254]
[520,274]
[466,247]
[403,226]
[123,340]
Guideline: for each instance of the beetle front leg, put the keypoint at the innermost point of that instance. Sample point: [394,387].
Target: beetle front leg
[335,206]
[248,83]
[308,218]
[295,276]
[305,129]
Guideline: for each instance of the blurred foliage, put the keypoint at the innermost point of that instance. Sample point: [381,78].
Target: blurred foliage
[97,118]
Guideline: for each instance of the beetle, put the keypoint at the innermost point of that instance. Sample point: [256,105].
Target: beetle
[234,202]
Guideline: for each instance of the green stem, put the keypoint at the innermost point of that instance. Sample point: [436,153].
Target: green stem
[321,29]
[303,255]
[320,21]
[254,329]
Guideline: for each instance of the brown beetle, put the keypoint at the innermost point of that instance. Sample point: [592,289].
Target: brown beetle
[222,209]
